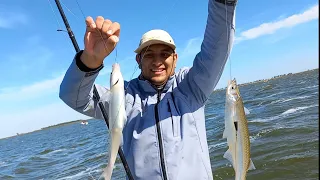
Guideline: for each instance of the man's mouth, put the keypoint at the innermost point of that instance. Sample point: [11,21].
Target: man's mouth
[157,71]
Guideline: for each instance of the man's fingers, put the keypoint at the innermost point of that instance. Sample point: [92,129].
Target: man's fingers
[114,29]
[106,29]
[106,25]
[112,41]
[90,23]
[99,22]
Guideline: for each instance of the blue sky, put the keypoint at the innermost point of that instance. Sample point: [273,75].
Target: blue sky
[271,39]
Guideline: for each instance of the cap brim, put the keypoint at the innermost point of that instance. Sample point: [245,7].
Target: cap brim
[152,42]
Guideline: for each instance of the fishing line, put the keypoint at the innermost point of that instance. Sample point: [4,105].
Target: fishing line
[69,10]
[105,45]
[59,26]
[84,19]
[228,38]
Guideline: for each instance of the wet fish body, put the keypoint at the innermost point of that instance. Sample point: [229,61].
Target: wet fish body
[116,116]
[236,132]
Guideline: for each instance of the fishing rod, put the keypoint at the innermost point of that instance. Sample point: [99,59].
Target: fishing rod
[95,92]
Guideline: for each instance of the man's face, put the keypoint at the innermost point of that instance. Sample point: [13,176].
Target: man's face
[158,63]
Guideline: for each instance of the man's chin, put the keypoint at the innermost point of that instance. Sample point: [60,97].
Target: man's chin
[158,81]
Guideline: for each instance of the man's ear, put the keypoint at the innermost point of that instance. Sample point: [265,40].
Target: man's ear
[175,59]
[138,59]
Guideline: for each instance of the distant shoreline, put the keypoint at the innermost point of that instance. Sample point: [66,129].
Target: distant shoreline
[49,127]
[274,77]
[216,90]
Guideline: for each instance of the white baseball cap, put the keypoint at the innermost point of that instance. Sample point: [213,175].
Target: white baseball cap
[155,36]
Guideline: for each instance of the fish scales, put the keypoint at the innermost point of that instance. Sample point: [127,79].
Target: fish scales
[237,133]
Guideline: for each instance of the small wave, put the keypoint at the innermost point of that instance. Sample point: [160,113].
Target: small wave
[271,95]
[22,170]
[88,172]
[262,98]
[301,82]
[277,101]
[7,177]
[300,155]
[282,100]
[58,150]
[267,87]
[46,151]
[264,132]
[309,87]
[217,145]
[289,99]
[50,151]
[262,101]
[287,112]
[260,120]
[292,110]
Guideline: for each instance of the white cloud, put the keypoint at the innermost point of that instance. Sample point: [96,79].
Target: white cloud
[31,91]
[187,54]
[192,48]
[37,118]
[10,20]
[271,27]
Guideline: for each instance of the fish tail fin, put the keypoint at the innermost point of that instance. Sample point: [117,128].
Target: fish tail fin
[115,139]
[107,172]
[251,165]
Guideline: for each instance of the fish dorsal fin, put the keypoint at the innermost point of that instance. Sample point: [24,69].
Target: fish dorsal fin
[105,96]
[105,99]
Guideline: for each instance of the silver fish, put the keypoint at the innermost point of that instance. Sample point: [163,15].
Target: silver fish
[116,116]
[237,133]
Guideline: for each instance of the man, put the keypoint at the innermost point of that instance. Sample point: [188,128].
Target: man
[165,134]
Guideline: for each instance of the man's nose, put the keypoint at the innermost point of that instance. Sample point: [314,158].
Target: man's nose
[157,59]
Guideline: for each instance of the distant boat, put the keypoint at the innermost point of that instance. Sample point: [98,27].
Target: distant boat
[84,122]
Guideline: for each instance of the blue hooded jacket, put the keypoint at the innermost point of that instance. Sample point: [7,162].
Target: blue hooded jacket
[165,133]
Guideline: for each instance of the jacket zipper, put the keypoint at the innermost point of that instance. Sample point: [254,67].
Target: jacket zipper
[163,167]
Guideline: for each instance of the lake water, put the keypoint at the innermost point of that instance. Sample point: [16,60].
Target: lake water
[283,126]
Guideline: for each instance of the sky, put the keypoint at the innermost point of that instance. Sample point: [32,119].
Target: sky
[271,39]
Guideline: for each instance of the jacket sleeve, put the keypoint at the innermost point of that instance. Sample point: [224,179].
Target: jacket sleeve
[76,88]
[208,65]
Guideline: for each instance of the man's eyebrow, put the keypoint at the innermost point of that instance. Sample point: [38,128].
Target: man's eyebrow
[162,50]
[145,51]
[167,50]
